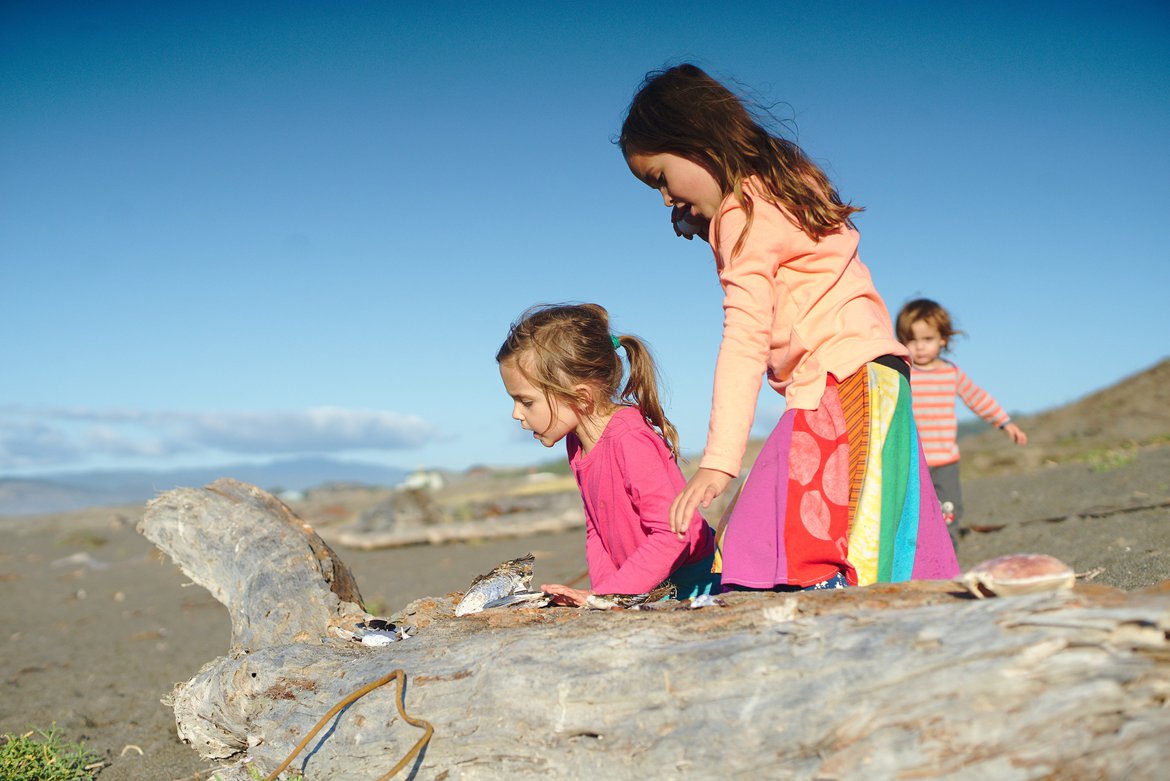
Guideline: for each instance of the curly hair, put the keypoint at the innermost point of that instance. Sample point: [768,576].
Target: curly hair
[930,312]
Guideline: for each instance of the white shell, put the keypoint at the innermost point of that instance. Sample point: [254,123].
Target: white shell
[686,228]
[1018,573]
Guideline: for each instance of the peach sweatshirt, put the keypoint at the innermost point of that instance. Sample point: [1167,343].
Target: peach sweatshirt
[796,307]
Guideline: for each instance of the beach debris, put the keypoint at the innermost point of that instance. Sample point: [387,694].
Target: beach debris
[1018,573]
[706,600]
[81,560]
[379,631]
[508,578]
[521,598]
[376,632]
[631,601]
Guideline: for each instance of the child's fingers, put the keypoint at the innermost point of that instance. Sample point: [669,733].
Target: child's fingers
[681,511]
[1016,433]
[709,495]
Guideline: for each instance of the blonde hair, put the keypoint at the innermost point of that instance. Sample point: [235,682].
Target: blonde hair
[930,312]
[685,112]
[570,344]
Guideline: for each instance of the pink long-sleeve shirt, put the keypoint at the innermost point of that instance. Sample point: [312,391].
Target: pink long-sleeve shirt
[796,308]
[628,481]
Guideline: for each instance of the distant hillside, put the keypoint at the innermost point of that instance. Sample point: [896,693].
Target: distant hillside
[72,491]
[1103,426]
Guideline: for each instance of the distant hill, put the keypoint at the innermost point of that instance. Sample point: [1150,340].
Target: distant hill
[1132,413]
[1105,425]
[72,491]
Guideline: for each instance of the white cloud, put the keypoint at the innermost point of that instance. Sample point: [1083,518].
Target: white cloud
[40,436]
[29,442]
[322,429]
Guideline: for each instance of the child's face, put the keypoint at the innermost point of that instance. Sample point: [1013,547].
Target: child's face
[548,424]
[925,343]
[682,183]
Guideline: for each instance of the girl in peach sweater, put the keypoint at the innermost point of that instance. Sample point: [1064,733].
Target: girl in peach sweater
[840,493]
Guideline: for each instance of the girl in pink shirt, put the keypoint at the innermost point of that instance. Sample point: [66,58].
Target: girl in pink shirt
[840,492]
[560,365]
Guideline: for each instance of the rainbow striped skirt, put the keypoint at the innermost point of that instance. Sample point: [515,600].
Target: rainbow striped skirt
[842,488]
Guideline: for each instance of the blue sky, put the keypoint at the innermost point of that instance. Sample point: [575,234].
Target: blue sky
[236,231]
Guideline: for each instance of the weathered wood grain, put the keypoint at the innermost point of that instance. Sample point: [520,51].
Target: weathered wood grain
[896,681]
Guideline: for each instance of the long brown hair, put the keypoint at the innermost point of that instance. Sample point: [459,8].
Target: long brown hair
[683,111]
[565,345]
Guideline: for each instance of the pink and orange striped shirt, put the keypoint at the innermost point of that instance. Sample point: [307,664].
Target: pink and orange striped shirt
[934,392]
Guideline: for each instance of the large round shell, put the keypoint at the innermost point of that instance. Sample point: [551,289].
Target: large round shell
[1019,573]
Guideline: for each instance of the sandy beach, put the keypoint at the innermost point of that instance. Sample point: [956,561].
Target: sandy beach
[98,625]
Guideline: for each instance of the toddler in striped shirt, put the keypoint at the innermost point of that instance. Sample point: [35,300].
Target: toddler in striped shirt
[925,328]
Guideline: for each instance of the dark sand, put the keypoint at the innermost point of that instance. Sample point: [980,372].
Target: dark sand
[98,626]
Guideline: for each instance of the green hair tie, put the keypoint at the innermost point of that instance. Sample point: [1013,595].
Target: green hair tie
[616,342]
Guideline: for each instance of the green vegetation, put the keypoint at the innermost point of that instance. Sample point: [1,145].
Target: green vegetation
[44,758]
[556,466]
[1109,459]
[256,775]
[83,539]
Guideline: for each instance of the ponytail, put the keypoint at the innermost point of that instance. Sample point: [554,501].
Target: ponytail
[565,345]
[642,390]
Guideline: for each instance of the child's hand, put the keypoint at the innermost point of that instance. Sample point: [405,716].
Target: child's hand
[700,489]
[563,595]
[1018,436]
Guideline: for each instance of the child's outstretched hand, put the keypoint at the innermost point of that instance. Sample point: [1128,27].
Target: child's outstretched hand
[1017,435]
[700,490]
[563,595]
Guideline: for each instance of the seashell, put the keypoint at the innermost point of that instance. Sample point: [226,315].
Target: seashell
[379,624]
[377,632]
[706,600]
[1018,573]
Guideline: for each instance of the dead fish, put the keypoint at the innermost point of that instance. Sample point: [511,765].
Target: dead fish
[508,578]
[522,599]
[610,601]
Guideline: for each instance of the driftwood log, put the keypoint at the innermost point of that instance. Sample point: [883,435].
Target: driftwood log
[895,681]
[463,531]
